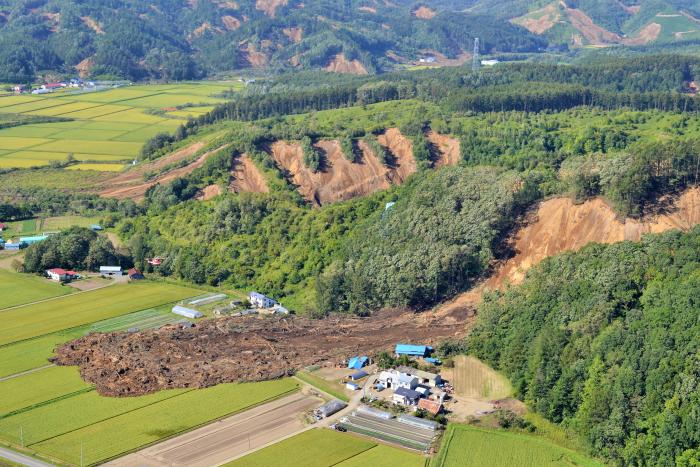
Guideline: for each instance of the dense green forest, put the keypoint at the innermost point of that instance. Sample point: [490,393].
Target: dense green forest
[605,341]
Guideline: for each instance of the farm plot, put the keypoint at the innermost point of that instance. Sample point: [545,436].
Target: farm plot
[97,167]
[466,445]
[473,378]
[124,433]
[64,222]
[67,312]
[9,142]
[323,448]
[39,387]
[18,289]
[113,148]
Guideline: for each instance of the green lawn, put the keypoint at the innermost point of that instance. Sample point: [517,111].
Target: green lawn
[466,445]
[18,289]
[127,432]
[74,310]
[323,448]
[38,387]
[334,389]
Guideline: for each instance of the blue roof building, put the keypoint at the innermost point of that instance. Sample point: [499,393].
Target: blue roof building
[356,363]
[15,246]
[413,350]
[358,375]
[32,240]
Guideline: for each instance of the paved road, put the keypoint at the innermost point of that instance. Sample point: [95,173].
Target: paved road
[22,459]
[227,439]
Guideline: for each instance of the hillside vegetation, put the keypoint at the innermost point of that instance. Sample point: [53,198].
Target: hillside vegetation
[611,351]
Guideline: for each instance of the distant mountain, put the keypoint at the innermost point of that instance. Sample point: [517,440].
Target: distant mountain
[179,39]
[576,23]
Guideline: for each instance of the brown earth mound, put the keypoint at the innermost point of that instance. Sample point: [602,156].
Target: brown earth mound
[423,12]
[269,7]
[340,178]
[240,349]
[559,225]
[231,23]
[340,64]
[245,177]
[131,184]
[447,147]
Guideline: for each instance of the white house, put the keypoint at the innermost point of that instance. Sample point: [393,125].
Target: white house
[405,396]
[60,275]
[114,271]
[424,377]
[394,379]
[259,300]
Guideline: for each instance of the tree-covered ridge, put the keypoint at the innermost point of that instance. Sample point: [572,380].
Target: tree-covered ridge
[605,341]
[173,39]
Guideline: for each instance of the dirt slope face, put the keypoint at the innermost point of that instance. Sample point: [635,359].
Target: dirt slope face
[240,349]
[340,179]
[402,150]
[448,149]
[245,177]
[132,185]
[340,64]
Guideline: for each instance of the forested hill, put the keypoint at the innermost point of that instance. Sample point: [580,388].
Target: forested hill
[181,40]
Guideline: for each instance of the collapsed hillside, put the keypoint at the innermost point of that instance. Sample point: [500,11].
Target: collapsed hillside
[239,349]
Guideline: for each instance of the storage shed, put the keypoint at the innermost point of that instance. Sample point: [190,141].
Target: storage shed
[357,376]
[135,274]
[186,312]
[114,271]
[356,363]
[413,350]
[332,407]
[33,240]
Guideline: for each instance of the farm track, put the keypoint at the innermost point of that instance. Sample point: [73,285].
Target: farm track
[24,373]
[21,459]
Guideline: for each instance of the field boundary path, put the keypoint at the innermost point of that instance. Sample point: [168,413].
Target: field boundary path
[13,456]
[33,370]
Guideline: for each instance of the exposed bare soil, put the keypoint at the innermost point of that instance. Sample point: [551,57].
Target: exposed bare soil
[448,148]
[85,67]
[540,21]
[209,192]
[92,24]
[423,12]
[368,9]
[294,34]
[339,180]
[402,150]
[558,225]
[131,184]
[340,64]
[245,177]
[231,23]
[597,35]
[254,57]
[269,7]
[243,348]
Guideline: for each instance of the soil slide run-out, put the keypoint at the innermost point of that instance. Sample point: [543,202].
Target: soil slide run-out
[558,225]
[448,149]
[237,349]
[402,149]
[245,177]
[131,184]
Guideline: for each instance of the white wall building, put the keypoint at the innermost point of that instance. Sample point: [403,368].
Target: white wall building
[259,300]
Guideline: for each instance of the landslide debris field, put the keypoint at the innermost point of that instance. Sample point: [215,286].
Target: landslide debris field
[238,349]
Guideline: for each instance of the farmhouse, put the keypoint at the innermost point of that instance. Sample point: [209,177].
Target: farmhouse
[135,275]
[430,406]
[413,350]
[259,300]
[60,274]
[394,379]
[424,377]
[186,312]
[405,396]
[2,226]
[111,271]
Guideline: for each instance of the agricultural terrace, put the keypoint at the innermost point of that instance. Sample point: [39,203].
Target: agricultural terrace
[104,428]
[107,128]
[323,448]
[18,289]
[465,445]
[77,309]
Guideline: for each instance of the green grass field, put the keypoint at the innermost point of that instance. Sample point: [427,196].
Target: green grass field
[18,289]
[465,445]
[63,222]
[71,311]
[334,389]
[111,123]
[32,353]
[38,387]
[129,431]
[323,448]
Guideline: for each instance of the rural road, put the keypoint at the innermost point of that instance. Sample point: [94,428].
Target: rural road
[226,439]
[22,459]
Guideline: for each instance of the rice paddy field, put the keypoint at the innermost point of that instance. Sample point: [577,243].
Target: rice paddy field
[53,413]
[322,448]
[466,446]
[106,129]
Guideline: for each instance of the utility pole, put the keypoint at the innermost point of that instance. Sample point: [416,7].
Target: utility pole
[21,435]
[476,62]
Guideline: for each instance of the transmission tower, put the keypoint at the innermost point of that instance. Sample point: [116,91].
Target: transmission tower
[476,63]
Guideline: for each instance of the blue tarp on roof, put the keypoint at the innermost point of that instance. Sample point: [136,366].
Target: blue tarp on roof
[416,350]
[356,363]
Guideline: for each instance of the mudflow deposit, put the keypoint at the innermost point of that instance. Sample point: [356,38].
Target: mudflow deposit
[237,349]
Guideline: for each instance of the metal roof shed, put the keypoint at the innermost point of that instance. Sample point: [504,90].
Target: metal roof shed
[358,375]
[413,350]
[334,406]
[356,363]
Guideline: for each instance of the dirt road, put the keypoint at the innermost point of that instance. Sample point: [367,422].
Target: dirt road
[224,440]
